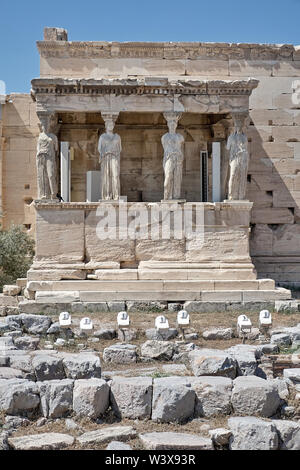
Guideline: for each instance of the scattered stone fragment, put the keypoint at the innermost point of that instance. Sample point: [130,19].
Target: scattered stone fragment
[120,433]
[105,333]
[35,324]
[11,290]
[191,336]
[268,348]
[174,440]
[289,434]
[127,334]
[71,425]
[26,342]
[218,333]
[45,441]
[116,445]
[161,335]
[6,344]
[220,436]
[158,350]
[10,373]
[293,375]
[281,339]
[41,422]
[14,422]
[212,362]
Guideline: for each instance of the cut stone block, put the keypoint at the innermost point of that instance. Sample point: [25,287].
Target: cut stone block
[90,397]
[254,396]
[213,395]
[18,396]
[131,397]
[173,400]
[56,398]
[249,433]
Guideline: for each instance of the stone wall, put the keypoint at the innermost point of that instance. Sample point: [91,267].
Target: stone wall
[18,175]
[274,133]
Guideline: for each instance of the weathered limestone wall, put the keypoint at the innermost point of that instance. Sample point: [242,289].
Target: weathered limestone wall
[18,175]
[142,175]
[274,134]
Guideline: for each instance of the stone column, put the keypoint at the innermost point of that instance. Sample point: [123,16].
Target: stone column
[47,151]
[109,147]
[65,171]
[237,145]
[216,171]
[172,143]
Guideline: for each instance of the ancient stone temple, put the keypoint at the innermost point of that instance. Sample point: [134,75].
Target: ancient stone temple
[163,171]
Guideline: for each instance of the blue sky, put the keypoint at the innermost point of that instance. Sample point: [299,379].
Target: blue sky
[22,23]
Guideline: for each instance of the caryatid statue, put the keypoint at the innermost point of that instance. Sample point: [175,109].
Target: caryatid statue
[109,148]
[47,150]
[173,157]
[237,144]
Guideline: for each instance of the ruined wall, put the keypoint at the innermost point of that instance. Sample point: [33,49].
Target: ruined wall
[19,138]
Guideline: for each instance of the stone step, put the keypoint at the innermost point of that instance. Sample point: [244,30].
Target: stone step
[151,285]
[162,295]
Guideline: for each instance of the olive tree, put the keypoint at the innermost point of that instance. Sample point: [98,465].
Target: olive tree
[16,254]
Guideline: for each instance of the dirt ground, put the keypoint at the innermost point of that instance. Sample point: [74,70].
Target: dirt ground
[142,321]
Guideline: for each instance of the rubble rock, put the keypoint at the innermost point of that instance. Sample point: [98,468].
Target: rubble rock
[85,365]
[212,362]
[56,397]
[18,396]
[213,395]
[158,350]
[120,353]
[252,395]
[249,433]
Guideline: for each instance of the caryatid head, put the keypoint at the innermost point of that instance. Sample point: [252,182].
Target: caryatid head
[172,121]
[240,122]
[110,120]
[47,122]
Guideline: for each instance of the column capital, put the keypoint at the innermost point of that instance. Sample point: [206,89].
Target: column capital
[172,116]
[110,116]
[240,119]
[46,118]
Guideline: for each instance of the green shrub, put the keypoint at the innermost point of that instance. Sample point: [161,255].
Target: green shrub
[16,254]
